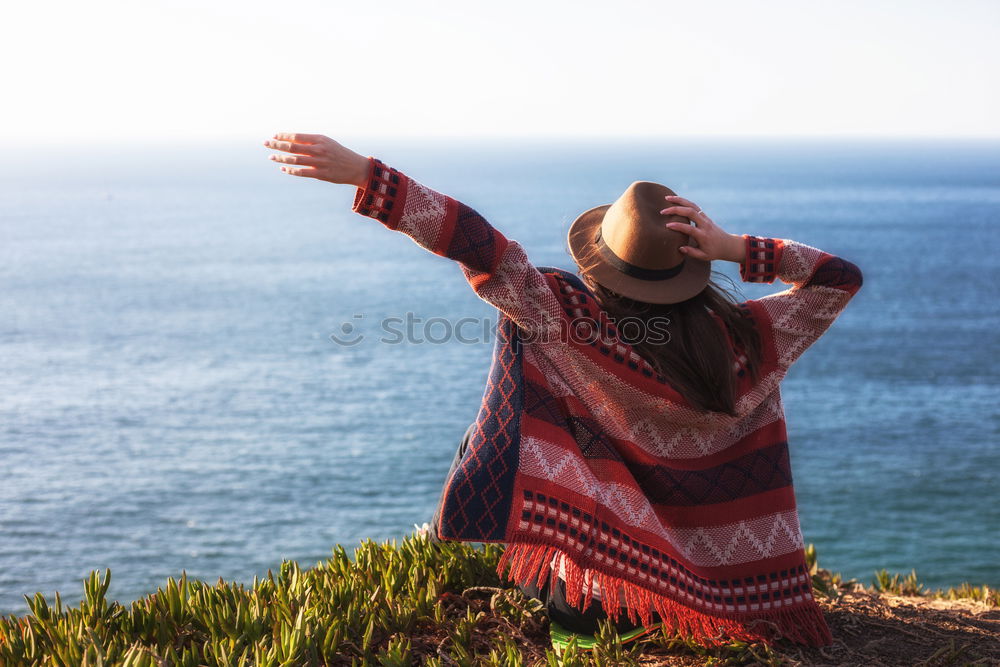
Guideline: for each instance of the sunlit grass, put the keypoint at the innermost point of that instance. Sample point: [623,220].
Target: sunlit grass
[389,604]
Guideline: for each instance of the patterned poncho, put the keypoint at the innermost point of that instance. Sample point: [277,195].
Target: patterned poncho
[591,467]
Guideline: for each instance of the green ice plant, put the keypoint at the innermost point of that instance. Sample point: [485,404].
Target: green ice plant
[387,604]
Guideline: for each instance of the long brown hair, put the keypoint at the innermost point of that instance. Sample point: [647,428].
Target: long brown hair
[695,357]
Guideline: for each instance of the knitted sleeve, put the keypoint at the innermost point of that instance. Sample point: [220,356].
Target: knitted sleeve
[822,285]
[497,268]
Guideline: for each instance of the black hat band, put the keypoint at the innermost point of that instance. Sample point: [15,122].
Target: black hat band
[631,269]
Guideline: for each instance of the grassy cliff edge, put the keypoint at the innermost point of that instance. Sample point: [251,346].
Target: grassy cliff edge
[443,604]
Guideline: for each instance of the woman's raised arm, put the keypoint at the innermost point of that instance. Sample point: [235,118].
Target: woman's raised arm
[497,268]
[821,286]
[821,283]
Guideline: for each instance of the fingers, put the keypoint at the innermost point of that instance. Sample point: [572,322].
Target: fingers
[299,138]
[703,221]
[685,228]
[307,172]
[700,233]
[695,252]
[291,147]
[685,211]
[674,199]
[296,159]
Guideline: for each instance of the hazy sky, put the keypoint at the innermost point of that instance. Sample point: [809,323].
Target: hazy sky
[160,70]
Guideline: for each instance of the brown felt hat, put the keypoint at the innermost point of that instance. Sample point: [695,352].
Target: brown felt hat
[627,248]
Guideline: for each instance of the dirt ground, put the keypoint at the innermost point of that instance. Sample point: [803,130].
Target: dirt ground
[883,629]
[870,629]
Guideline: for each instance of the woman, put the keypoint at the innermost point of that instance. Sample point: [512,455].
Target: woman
[631,448]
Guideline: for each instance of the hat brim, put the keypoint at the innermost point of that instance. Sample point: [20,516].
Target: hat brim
[688,283]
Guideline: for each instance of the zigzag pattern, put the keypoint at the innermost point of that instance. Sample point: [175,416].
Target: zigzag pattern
[546,461]
[423,215]
[800,316]
[741,542]
[822,286]
[798,261]
[520,292]
[478,499]
[744,541]
[650,422]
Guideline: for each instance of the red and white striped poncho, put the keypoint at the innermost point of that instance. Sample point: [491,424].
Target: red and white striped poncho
[591,467]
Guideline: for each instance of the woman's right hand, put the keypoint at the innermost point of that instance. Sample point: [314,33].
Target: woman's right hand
[320,157]
[713,241]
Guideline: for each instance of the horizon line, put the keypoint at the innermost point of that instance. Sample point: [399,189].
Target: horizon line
[233,139]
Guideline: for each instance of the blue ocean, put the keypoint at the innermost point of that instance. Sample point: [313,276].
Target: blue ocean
[172,396]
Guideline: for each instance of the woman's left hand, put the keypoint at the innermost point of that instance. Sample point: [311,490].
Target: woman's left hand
[713,241]
[318,156]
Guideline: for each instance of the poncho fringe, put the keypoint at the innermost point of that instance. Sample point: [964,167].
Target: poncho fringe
[527,563]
